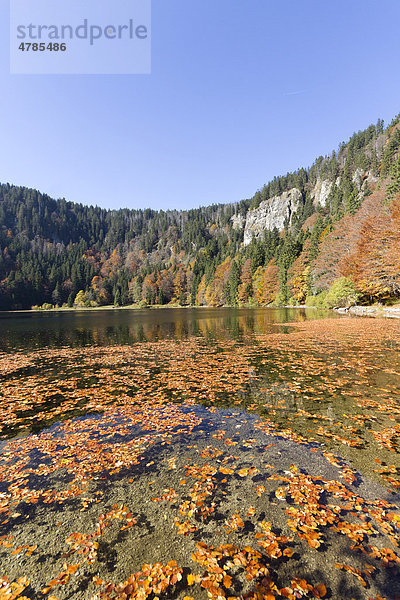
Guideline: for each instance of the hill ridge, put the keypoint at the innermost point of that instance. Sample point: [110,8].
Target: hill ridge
[282,245]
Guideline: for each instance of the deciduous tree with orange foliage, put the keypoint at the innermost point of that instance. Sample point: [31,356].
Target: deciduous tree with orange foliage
[245,290]
[215,292]
[299,275]
[374,263]
[268,284]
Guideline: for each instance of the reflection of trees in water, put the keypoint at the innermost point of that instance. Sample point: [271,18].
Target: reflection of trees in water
[126,327]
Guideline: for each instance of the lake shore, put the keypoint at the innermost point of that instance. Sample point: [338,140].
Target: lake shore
[97,308]
[374,311]
[389,312]
[111,307]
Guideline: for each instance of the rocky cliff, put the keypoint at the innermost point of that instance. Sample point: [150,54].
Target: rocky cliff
[272,213]
[321,191]
[276,212]
[238,221]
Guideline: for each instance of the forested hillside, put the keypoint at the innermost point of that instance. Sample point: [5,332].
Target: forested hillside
[328,234]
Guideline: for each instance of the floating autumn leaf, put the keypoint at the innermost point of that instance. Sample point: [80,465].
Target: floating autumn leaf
[226,470]
[280,493]
[192,578]
[11,590]
[319,591]
[185,527]
[234,522]
[245,472]
[260,489]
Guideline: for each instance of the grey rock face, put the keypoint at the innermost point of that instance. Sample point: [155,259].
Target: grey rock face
[358,178]
[238,221]
[321,191]
[271,214]
[370,178]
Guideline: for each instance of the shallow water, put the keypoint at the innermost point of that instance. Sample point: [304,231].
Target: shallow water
[105,408]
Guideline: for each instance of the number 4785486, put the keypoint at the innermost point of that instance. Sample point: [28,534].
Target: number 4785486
[42,47]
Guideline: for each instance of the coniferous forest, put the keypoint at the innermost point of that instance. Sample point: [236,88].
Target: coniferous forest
[339,251]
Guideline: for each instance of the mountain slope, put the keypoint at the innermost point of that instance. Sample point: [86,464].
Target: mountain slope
[328,234]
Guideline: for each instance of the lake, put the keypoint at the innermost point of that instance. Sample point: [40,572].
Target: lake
[24,330]
[197,453]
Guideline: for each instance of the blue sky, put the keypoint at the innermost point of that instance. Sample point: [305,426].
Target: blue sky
[240,91]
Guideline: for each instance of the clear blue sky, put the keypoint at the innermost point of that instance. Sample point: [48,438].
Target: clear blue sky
[240,91]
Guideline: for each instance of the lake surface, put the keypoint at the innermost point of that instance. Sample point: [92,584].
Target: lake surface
[106,416]
[26,330]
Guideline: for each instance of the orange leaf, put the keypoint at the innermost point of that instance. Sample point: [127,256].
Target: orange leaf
[321,589]
[227,581]
[192,578]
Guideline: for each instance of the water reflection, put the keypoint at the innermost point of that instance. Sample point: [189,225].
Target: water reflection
[103,327]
